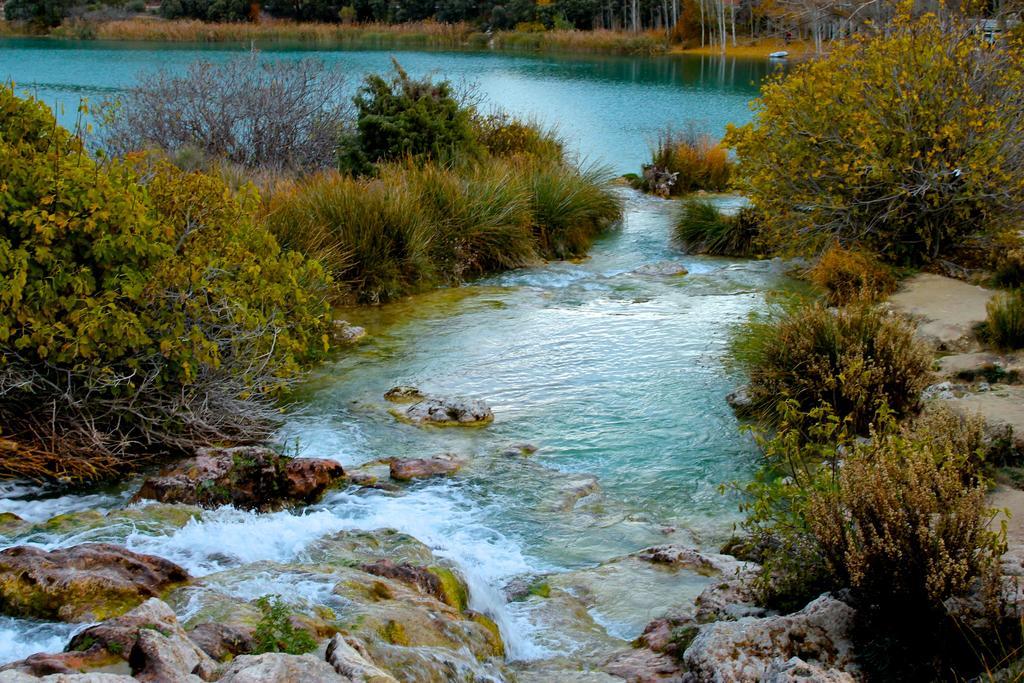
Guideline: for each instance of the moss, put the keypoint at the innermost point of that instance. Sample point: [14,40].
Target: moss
[394,633]
[453,588]
[11,524]
[85,643]
[494,633]
[73,521]
[541,589]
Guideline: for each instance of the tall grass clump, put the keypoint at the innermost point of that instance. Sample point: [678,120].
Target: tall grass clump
[703,228]
[570,206]
[686,161]
[1005,322]
[503,135]
[854,360]
[373,238]
[480,218]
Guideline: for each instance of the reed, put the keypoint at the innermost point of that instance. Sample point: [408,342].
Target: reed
[699,162]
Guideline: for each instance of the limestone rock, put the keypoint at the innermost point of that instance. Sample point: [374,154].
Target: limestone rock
[749,648]
[796,670]
[86,582]
[740,400]
[93,677]
[354,663]
[646,666]
[437,411]
[249,477]
[443,465]
[281,668]
[346,333]
[946,309]
[662,269]
[223,641]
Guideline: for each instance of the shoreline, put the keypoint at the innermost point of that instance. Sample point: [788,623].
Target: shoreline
[413,36]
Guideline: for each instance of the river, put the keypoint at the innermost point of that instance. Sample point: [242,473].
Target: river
[616,376]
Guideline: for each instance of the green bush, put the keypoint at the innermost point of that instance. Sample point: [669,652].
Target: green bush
[1005,323]
[898,143]
[401,117]
[142,308]
[855,360]
[702,228]
[275,631]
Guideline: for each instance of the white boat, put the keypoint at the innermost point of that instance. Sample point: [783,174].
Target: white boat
[781,54]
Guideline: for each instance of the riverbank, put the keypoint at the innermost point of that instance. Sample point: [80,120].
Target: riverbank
[425,35]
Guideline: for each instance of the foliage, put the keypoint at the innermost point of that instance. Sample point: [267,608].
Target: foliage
[899,143]
[900,520]
[401,117]
[272,115]
[501,134]
[40,13]
[849,276]
[699,162]
[854,360]
[275,631]
[207,10]
[702,228]
[1005,323]
[143,308]
[1009,260]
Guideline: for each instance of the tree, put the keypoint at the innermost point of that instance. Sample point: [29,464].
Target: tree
[42,13]
[902,142]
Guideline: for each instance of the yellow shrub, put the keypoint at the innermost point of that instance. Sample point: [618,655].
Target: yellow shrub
[848,276]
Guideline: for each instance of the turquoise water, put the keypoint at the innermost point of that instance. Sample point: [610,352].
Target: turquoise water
[608,108]
[616,376]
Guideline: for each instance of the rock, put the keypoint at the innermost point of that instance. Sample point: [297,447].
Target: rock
[947,310]
[942,390]
[346,333]
[404,394]
[248,477]
[796,670]
[519,450]
[741,401]
[87,582]
[94,677]
[12,525]
[750,648]
[223,641]
[281,668]
[680,556]
[646,666]
[574,488]
[353,662]
[441,583]
[443,465]
[1002,408]
[662,269]
[437,411]
[148,637]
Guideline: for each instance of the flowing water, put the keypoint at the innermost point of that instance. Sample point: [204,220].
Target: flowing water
[615,375]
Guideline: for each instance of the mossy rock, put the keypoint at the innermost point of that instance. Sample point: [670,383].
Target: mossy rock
[353,548]
[453,588]
[394,633]
[497,644]
[12,525]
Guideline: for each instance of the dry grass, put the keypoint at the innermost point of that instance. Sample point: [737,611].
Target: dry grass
[699,162]
[600,41]
[848,276]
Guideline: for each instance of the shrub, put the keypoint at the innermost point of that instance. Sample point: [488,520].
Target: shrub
[206,10]
[275,631]
[1005,323]
[853,360]
[39,13]
[1009,262]
[702,228]
[899,520]
[504,135]
[283,115]
[848,276]
[143,310]
[698,162]
[401,117]
[899,143]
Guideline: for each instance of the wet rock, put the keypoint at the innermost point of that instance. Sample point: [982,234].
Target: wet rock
[437,411]
[646,666]
[440,582]
[749,648]
[741,401]
[248,477]
[12,525]
[574,488]
[404,394]
[86,582]
[346,333]
[407,469]
[662,269]
[223,641]
[274,666]
[94,677]
[353,662]
[519,450]
[351,548]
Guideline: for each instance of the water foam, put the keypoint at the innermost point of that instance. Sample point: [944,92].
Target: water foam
[20,638]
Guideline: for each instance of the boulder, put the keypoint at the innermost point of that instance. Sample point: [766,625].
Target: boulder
[443,465]
[351,660]
[87,582]
[646,666]
[740,400]
[248,477]
[148,637]
[750,648]
[223,641]
[94,677]
[281,668]
[439,582]
[437,411]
